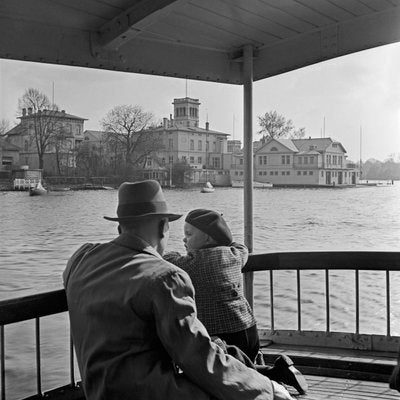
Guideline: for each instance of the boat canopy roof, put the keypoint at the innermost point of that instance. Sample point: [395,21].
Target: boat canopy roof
[194,39]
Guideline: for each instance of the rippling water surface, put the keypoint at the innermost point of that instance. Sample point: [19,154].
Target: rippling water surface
[39,234]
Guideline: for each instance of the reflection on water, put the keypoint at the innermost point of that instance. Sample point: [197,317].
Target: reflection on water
[38,234]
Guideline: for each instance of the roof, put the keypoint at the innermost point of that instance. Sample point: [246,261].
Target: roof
[8,146]
[93,135]
[318,144]
[16,130]
[55,114]
[192,129]
[287,143]
[195,39]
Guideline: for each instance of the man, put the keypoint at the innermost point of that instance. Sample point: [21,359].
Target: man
[133,316]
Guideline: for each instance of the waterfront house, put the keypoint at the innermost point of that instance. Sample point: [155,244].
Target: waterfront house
[299,162]
[202,150]
[60,153]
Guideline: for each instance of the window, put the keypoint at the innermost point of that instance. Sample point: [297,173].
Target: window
[260,160]
[241,161]
[216,162]
[298,172]
[26,144]
[287,159]
[276,172]
[184,158]
[271,172]
[214,146]
[191,144]
[300,160]
[287,172]
[265,173]
[283,173]
[170,143]
[310,172]
[311,160]
[236,173]
[274,149]
[163,161]
[149,162]
[207,145]
[305,160]
[241,172]
[199,160]
[283,159]
[304,172]
[199,145]
[191,160]
[265,160]
[171,159]
[260,173]
[322,173]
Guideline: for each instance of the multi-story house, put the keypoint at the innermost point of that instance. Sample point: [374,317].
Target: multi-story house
[61,151]
[186,143]
[300,162]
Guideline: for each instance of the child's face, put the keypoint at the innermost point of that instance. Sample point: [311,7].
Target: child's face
[194,238]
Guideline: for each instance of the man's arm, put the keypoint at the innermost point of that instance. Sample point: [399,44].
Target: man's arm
[189,345]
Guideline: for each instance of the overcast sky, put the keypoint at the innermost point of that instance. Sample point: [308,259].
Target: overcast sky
[352,93]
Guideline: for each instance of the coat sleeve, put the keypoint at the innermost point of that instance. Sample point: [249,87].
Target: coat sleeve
[189,345]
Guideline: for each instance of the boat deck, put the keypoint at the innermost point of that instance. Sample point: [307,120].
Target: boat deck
[323,388]
[337,373]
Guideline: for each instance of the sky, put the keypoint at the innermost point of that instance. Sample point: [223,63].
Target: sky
[353,99]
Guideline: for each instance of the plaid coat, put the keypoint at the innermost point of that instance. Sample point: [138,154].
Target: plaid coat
[216,276]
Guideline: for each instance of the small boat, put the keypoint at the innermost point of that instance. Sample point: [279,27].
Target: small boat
[37,190]
[208,188]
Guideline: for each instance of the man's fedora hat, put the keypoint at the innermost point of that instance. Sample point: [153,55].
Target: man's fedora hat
[140,200]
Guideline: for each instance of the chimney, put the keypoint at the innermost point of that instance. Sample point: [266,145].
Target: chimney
[23,112]
[207,126]
[165,122]
[29,110]
[63,111]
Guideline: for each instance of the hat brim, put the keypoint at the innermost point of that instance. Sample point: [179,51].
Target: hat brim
[171,217]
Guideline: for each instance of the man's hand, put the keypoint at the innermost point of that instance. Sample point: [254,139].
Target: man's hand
[280,393]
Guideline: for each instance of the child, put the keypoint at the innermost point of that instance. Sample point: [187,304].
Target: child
[214,264]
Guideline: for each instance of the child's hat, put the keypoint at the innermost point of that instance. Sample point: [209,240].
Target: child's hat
[212,223]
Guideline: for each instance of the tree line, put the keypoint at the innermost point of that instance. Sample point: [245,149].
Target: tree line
[381,170]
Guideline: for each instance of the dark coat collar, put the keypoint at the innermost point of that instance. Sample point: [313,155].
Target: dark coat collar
[135,243]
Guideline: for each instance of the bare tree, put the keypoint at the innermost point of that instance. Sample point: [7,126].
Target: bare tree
[46,120]
[125,131]
[274,125]
[298,133]
[4,127]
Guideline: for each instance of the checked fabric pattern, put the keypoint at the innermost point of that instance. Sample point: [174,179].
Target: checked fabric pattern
[216,276]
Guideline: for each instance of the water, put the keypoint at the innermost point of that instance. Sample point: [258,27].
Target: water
[38,235]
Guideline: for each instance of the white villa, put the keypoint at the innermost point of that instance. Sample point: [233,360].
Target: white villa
[299,162]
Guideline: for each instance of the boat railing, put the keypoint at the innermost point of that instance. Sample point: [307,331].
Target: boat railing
[37,306]
[382,348]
